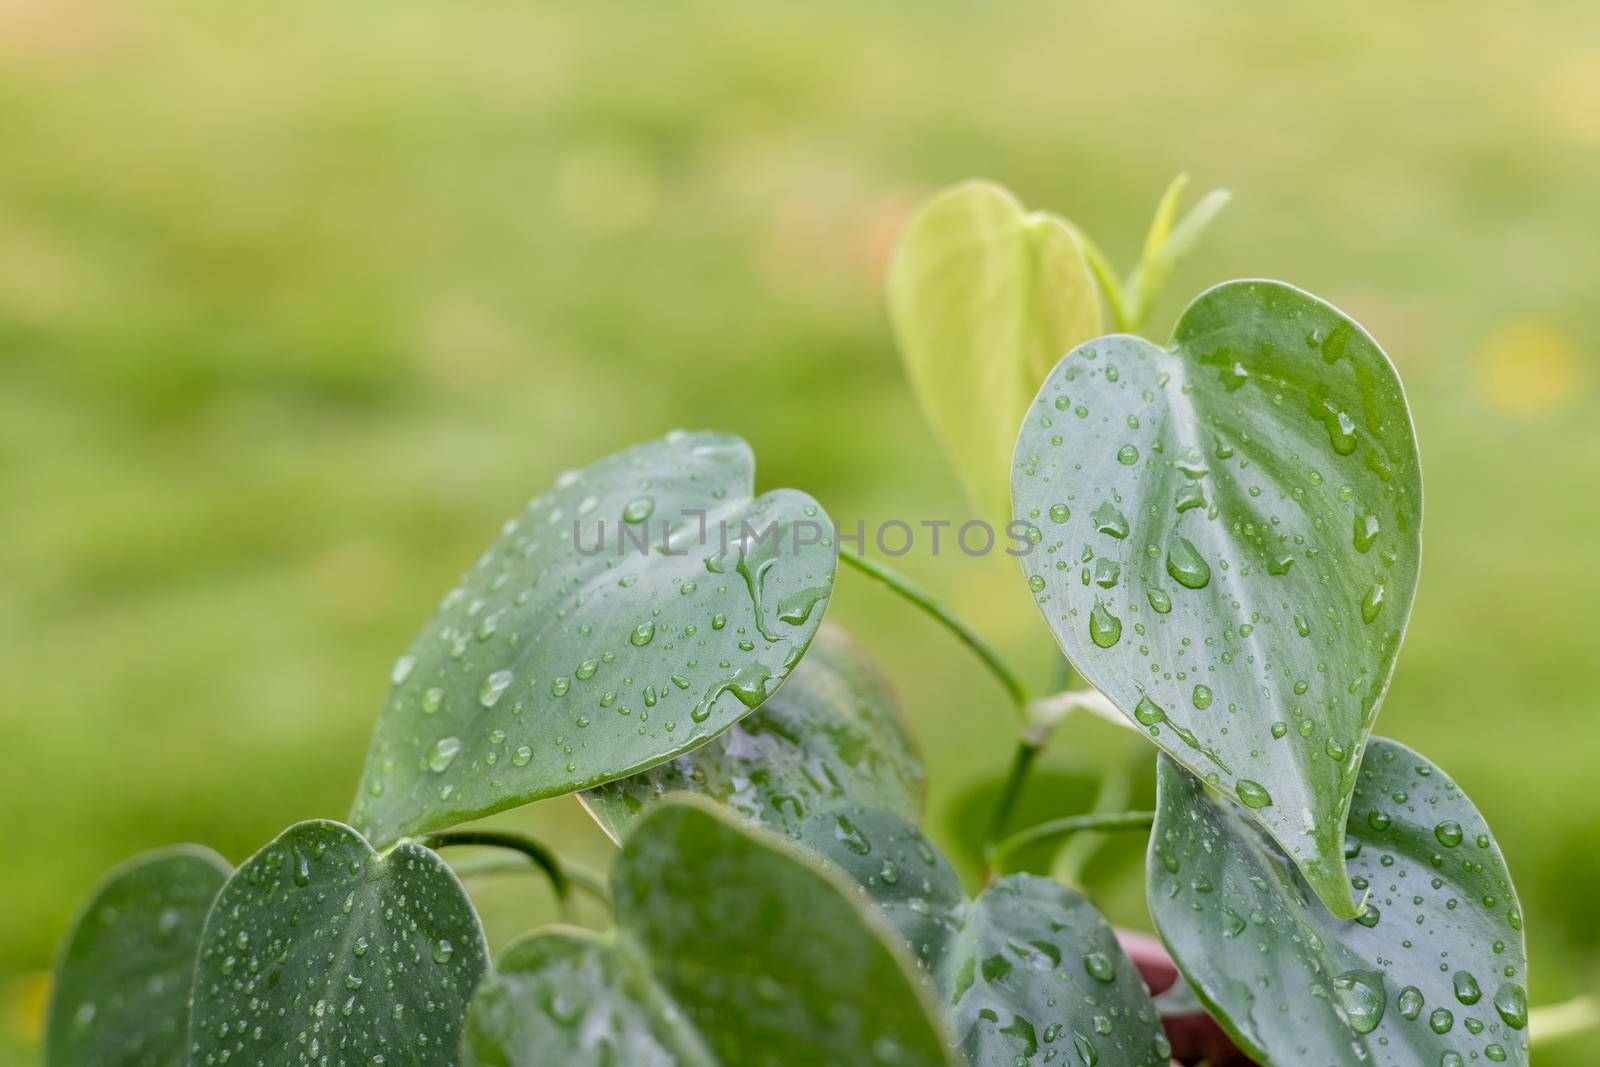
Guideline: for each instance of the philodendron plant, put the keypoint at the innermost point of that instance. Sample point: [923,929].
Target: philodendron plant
[1221,531]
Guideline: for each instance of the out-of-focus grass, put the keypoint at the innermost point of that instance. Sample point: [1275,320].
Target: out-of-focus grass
[297,303]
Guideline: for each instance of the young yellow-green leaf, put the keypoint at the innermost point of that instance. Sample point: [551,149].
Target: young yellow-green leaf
[1433,973]
[985,298]
[833,733]
[1028,971]
[320,950]
[733,948]
[1230,543]
[635,611]
[121,996]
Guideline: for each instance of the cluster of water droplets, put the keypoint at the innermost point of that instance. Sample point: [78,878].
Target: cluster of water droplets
[1219,564]
[556,664]
[1434,962]
[319,951]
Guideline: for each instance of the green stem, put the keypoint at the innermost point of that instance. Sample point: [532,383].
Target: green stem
[920,597]
[1121,820]
[1116,788]
[1021,763]
[563,874]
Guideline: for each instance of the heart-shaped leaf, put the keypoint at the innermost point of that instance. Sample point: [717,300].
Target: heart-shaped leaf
[733,948]
[1230,541]
[121,995]
[1434,972]
[635,611]
[320,950]
[1027,970]
[833,733]
[985,297]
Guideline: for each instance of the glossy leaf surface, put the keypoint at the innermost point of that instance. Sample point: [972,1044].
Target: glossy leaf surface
[569,656]
[1028,971]
[1434,972]
[121,996]
[724,930]
[320,950]
[1231,536]
[833,733]
[985,297]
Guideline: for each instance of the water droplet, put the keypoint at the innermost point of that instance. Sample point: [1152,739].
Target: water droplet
[1410,1002]
[1511,1001]
[1127,455]
[432,701]
[643,634]
[1185,565]
[1160,602]
[402,669]
[1441,1020]
[1105,629]
[521,756]
[1448,833]
[442,951]
[492,687]
[1099,966]
[1060,512]
[1366,531]
[586,669]
[1466,987]
[1202,697]
[443,754]
[559,686]
[1252,794]
[1372,603]
[1362,998]
[1148,712]
[638,509]
[1036,583]
[1109,521]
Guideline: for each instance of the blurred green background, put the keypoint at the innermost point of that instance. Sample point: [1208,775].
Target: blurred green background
[297,303]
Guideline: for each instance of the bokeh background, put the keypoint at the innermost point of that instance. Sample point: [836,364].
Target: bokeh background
[299,302]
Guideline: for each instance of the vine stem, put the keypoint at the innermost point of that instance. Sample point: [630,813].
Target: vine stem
[564,875]
[921,598]
[1120,820]
[1042,717]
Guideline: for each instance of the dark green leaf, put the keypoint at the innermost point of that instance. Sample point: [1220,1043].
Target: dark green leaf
[1231,531]
[1028,970]
[985,297]
[122,984]
[1434,972]
[723,928]
[320,950]
[577,999]
[557,665]
[833,733]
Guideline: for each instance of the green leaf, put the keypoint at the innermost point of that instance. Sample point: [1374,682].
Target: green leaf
[1434,972]
[985,297]
[121,995]
[568,656]
[1231,537]
[578,999]
[832,733]
[1026,970]
[320,947]
[723,928]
